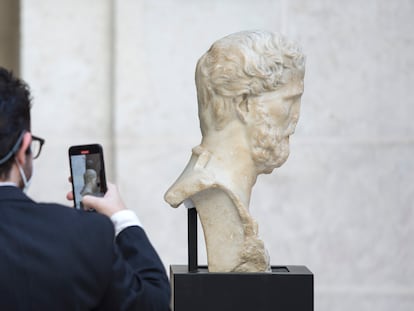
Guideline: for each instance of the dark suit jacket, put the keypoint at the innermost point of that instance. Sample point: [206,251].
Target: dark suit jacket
[57,258]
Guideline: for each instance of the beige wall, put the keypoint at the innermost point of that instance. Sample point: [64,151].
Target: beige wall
[121,73]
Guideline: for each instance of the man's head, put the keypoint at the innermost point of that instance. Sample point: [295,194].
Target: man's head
[241,77]
[15,103]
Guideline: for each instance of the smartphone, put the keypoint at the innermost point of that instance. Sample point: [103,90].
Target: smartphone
[87,170]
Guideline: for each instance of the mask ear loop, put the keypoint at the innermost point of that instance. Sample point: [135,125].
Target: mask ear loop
[26,183]
[13,150]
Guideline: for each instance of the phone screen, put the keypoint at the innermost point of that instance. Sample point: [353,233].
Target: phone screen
[87,171]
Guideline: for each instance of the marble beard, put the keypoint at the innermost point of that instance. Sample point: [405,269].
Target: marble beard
[249,86]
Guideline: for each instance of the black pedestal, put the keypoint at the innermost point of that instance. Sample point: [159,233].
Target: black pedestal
[287,288]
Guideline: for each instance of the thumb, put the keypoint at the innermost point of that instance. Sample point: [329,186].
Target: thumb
[108,205]
[90,201]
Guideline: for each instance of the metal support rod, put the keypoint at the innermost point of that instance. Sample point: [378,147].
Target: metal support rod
[192,240]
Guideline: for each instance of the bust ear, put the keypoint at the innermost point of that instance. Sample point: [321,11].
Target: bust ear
[21,153]
[242,108]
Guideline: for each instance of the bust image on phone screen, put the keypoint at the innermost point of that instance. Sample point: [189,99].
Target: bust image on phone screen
[86,176]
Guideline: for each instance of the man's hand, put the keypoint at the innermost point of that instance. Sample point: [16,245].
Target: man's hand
[107,205]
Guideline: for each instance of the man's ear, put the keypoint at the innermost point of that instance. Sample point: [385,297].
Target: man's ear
[242,108]
[22,152]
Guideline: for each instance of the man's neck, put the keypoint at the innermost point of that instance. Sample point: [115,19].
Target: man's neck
[13,178]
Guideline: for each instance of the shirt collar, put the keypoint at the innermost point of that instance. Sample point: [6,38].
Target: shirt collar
[7,183]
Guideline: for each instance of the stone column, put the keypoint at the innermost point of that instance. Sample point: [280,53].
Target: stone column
[67,49]
[10,35]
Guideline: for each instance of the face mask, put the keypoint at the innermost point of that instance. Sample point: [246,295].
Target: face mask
[26,183]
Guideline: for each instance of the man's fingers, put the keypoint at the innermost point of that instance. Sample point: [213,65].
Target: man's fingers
[69,195]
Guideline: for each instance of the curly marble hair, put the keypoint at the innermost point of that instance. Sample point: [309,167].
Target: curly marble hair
[240,65]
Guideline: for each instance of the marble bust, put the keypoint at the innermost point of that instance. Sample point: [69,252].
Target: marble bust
[249,86]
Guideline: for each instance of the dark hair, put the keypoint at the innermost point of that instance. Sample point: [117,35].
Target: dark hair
[15,104]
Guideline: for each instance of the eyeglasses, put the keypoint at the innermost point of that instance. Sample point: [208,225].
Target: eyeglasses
[36,146]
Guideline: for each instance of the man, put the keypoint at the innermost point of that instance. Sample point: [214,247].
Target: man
[58,258]
[249,86]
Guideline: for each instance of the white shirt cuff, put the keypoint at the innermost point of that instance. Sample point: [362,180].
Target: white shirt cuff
[124,219]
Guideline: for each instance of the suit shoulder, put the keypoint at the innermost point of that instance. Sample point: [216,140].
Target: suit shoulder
[67,216]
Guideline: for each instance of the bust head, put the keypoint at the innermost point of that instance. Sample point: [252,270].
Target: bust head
[90,179]
[256,78]
[90,176]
